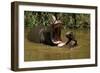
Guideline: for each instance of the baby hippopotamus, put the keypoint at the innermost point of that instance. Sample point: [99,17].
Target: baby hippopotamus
[71,39]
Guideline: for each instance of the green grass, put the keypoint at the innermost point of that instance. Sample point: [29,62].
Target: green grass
[38,52]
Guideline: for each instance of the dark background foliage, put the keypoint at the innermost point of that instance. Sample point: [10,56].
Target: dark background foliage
[69,20]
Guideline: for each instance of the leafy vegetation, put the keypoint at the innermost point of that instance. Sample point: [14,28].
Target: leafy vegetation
[69,20]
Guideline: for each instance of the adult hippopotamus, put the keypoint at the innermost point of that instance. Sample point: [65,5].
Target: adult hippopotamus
[50,35]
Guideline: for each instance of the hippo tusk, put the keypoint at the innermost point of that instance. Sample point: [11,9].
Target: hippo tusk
[61,44]
[56,42]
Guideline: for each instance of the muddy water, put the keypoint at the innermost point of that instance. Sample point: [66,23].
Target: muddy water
[37,52]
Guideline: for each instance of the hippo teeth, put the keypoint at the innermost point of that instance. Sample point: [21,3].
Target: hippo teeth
[56,42]
[61,44]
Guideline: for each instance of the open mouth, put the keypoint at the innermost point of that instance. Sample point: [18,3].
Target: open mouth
[56,35]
